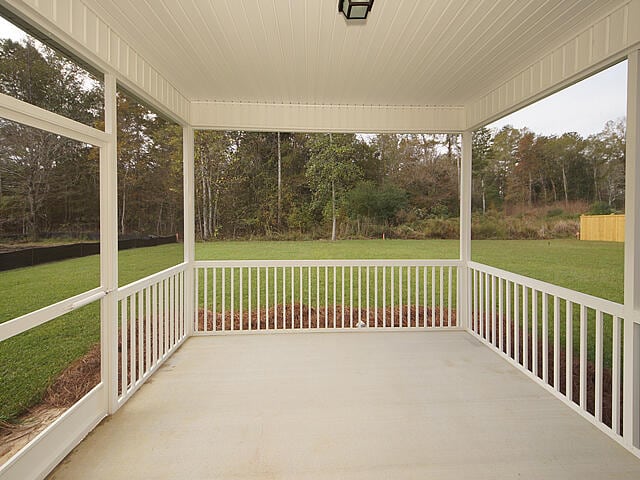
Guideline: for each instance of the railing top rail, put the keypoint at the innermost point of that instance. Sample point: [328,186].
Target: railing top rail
[606,306]
[150,280]
[33,319]
[329,263]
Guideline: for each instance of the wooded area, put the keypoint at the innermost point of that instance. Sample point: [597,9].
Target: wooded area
[49,185]
[280,185]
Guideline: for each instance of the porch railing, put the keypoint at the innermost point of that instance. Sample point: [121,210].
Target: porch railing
[152,324]
[266,296]
[569,341]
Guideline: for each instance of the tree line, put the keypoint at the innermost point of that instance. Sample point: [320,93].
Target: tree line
[270,184]
[517,169]
[49,184]
[332,184]
[388,179]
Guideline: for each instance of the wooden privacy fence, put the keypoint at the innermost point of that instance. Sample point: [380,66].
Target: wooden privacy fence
[607,228]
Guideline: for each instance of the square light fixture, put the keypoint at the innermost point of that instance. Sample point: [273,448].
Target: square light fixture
[355,10]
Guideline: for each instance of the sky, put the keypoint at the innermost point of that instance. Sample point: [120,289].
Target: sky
[584,107]
[8,30]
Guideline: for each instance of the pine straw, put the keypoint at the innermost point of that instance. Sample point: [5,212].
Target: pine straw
[76,381]
[298,316]
[69,387]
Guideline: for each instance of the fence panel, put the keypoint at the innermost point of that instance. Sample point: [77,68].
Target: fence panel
[606,228]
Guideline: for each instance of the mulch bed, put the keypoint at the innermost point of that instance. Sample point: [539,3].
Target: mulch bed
[76,381]
[69,387]
[302,317]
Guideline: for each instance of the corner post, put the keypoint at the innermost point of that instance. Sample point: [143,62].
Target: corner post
[109,246]
[189,225]
[464,282]
[631,356]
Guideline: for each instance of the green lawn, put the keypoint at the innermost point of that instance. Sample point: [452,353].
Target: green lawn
[31,360]
[595,268]
[321,249]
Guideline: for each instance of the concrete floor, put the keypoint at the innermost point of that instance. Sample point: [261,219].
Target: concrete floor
[398,405]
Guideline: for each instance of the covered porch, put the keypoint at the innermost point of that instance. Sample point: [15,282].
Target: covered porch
[342,368]
[335,405]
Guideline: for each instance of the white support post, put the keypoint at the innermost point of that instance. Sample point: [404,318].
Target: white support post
[631,357]
[109,246]
[189,224]
[464,282]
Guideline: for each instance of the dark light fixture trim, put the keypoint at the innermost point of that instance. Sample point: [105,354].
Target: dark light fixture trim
[355,9]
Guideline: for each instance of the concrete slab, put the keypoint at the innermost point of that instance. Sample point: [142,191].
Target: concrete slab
[366,405]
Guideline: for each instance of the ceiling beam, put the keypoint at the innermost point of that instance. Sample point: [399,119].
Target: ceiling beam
[326,118]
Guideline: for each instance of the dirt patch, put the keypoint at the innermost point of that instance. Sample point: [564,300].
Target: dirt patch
[69,387]
[15,436]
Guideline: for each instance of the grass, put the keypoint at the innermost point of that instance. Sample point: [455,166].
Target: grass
[30,361]
[321,249]
[595,268]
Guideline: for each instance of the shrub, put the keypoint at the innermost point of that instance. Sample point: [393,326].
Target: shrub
[565,228]
[405,232]
[443,228]
[439,210]
[485,227]
[600,208]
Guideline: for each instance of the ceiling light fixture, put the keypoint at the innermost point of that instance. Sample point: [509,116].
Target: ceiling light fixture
[355,10]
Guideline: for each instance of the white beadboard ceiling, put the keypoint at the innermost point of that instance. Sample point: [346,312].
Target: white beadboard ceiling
[409,52]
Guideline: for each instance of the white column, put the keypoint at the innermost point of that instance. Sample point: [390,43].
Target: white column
[464,284]
[631,360]
[189,224]
[109,246]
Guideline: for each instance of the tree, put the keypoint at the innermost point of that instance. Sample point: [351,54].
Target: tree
[331,170]
[386,148]
[279,181]
[149,171]
[503,161]
[166,177]
[565,159]
[520,184]
[429,176]
[607,160]
[379,203]
[481,147]
[32,159]
[212,159]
